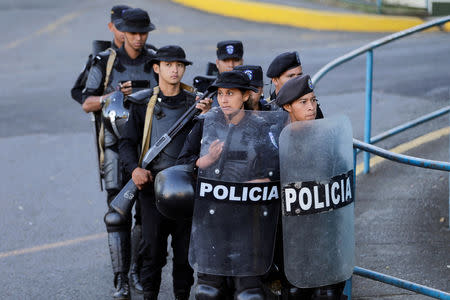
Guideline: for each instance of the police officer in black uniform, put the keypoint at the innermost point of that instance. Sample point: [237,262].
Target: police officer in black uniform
[130,65]
[169,101]
[283,67]
[117,42]
[256,100]
[229,55]
[233,92]
[298,99]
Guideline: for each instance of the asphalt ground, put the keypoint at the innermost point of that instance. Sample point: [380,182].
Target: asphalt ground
[53,244]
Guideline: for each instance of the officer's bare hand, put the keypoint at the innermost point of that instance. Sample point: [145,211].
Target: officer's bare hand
[141,177]
[204,104]
[214,151]
[126,88]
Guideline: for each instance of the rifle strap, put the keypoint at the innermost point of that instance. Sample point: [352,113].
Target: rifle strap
[101,134]
[186,87]
[148,124]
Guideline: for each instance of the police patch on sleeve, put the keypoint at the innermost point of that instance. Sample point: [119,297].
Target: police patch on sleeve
[310,197]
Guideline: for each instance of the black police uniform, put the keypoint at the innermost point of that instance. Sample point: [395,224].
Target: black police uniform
[212,287]
[97,47]
[292,90]
[156,227]
[124,69]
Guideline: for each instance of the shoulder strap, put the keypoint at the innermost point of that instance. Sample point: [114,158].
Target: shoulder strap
[148,124]
[101,135]
[109,66]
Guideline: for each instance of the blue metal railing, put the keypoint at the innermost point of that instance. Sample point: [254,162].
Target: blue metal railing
[404,284]
[400,158]
[369,72]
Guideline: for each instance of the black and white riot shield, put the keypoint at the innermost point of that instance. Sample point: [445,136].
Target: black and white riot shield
[316,171]
[237,197]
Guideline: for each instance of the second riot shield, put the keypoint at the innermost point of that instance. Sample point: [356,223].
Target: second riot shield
[237,198]
[316,170]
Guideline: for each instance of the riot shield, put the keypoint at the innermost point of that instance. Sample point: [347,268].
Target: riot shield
[237,204]
[316,172]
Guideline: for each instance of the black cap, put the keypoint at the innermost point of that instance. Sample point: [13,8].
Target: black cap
[254,73]
[293,89]
[282,63]
[171,53]
[135,20]
[230,49]
[233,80]
[117,11]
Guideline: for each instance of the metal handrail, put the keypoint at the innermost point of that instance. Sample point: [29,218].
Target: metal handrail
[369,72]
[401,158]
[410,124]
[375,44]
[404,284]
[368,148]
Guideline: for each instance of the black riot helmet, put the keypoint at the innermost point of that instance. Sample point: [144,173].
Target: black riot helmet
[174,192]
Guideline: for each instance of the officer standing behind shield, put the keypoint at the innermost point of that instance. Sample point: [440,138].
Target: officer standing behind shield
[168,101]
[109,73]
[233,91]
[298,99]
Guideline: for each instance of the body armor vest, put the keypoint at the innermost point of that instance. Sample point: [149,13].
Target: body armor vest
[126,69]
[164,116]
[239,153]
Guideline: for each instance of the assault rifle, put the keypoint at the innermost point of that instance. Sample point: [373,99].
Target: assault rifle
[124,201]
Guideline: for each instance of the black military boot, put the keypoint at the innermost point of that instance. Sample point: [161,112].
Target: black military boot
[119,248]
[121,284]
[135,267]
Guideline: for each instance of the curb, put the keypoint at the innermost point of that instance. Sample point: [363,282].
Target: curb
[303,18]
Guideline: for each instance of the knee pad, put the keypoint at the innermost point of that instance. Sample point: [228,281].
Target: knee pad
[251,294]
[114,220]
[113,170]
[208,292]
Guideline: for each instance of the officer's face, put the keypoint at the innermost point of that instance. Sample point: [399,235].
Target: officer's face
[136,40]
[119,36]
[302,109]
[284,77]
[231,100]
[228,64]
[170,72]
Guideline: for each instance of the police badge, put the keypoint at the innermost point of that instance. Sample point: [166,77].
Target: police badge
[310,84]
[249,74]
[230,49]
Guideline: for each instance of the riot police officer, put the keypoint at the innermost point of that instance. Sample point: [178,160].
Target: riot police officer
[297,97]
[155,112]
[117,42]
[283,67]
[256,100]
[126,70]
[229,55]
[227,146]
